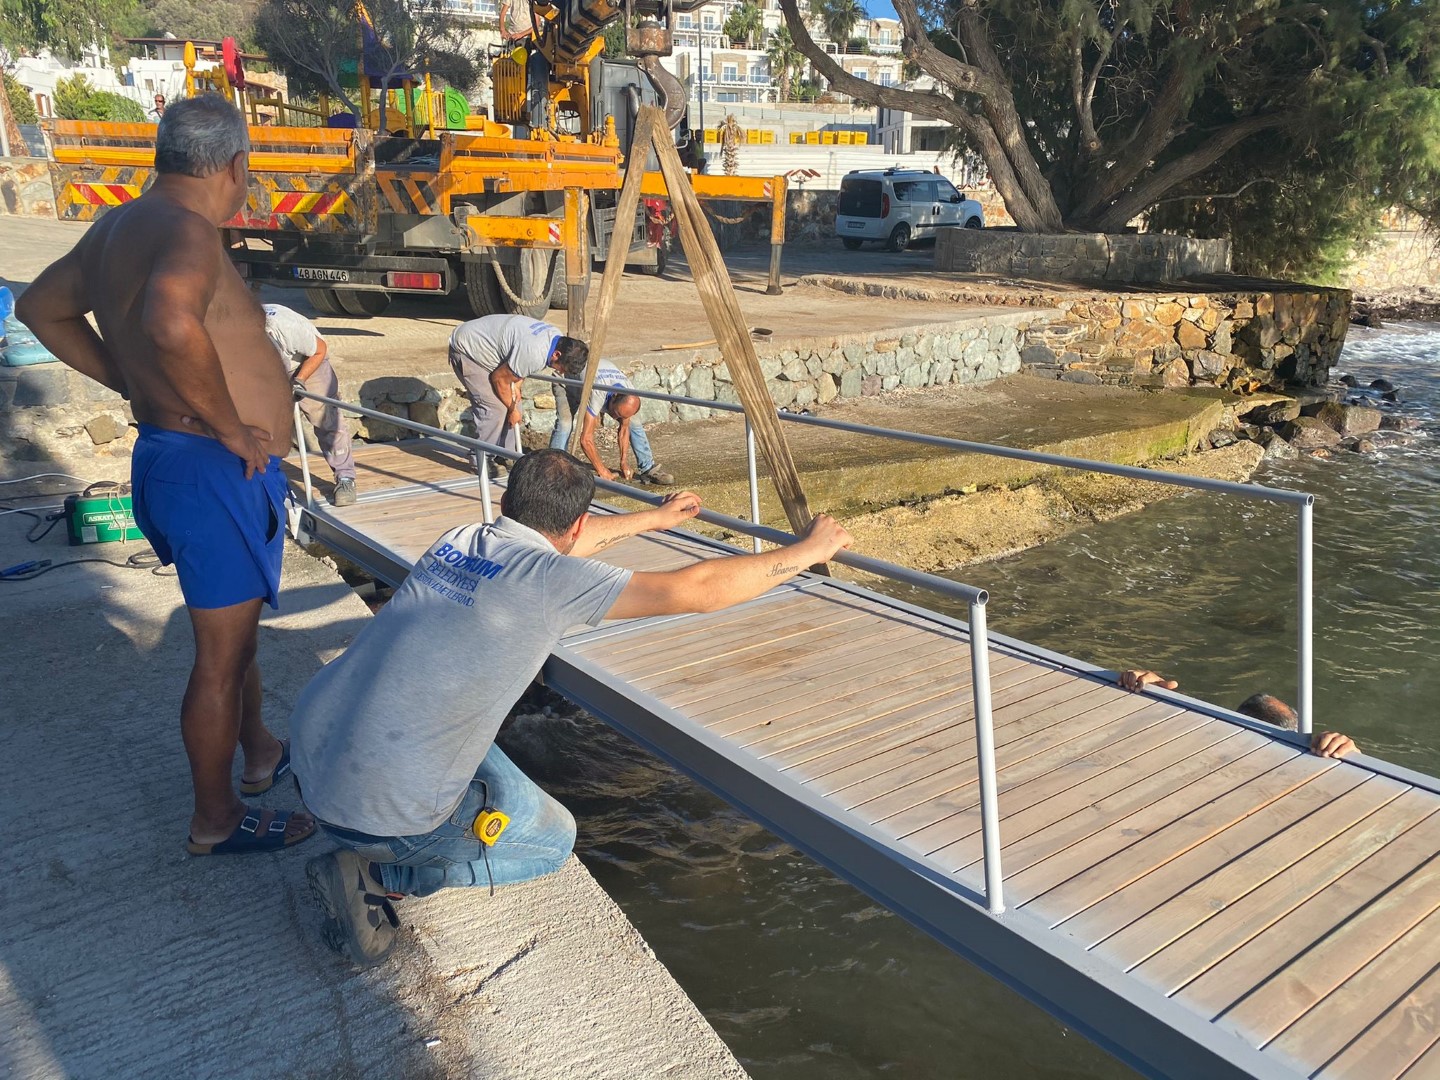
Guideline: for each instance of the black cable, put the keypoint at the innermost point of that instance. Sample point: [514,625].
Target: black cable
[145,560]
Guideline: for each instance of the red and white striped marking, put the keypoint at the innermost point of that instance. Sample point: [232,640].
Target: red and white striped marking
[555,232]
[765,187]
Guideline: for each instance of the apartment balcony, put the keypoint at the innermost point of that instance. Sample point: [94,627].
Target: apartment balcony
[884,49]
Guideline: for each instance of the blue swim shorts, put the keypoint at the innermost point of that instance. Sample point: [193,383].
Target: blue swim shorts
[223,533]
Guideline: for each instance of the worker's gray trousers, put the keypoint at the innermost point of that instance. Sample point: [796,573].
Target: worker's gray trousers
[330,430]
[487,412]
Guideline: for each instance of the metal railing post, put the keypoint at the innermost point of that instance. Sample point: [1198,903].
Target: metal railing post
[754,483]
[487,507]
[304,459]
[985,757]
[1304,703]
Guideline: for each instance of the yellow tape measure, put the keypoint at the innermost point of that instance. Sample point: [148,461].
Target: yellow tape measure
[489,824]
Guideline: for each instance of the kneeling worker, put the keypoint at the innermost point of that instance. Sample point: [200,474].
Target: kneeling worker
[608,398]
[393,742]
[307,362]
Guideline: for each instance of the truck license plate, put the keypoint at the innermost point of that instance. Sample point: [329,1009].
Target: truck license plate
[308,273]
[854,224]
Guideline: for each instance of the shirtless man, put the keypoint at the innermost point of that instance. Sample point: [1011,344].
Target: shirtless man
[183,339]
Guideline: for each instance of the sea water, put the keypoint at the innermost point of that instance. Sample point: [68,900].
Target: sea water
[807,979]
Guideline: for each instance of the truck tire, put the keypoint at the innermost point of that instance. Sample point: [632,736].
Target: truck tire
[362,304]
[525,279]
[324,301]
[974,223]
[559,291]
[899,238]
[852,243]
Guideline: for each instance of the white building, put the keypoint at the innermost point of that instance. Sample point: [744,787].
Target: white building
[719,70]
[161,70]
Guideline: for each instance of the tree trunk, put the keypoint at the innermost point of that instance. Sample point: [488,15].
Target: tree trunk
[1152,188]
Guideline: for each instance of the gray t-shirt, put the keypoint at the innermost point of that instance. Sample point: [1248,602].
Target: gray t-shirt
[386,738]
[517,340]
[611,378]
[295,337]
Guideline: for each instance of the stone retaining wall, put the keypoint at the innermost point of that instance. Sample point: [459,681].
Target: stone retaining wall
[1248,338]
[1127,257]
[801,372]
[25,188]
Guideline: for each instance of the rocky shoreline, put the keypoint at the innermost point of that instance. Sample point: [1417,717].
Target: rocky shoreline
[1418,303]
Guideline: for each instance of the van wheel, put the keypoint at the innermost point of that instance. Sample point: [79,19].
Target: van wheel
[899,238]
[852,243]
[974,223]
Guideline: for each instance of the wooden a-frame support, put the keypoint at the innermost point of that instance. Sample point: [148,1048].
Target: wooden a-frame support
[722,307]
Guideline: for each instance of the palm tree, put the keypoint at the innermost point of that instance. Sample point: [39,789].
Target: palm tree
[838,18]
[744,23]
[784,57]
[731,136]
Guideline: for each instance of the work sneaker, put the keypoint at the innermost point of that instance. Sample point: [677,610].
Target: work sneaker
[344,493]
[657,476]
[362,920]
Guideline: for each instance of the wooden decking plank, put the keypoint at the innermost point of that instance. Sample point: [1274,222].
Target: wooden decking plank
[670,637]
[948,693]
[649,651]
[1056,794]
[1388,844]
[892,781]
[954,745]
[715,665]
[884,718]
[1162,831]
[1089,833]
[1075,813]
[1321,962]
[856,665]
[767,686]
[1427,1065]
[1240,900]
[1382,985]
[823,759]
[1402,1043]
[1261,841]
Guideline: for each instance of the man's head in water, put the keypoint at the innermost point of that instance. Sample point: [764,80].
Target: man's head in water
[1270,710]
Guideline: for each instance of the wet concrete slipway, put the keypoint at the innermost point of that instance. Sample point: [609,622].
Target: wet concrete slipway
[122,956]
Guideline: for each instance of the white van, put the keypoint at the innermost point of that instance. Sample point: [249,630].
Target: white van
[898,206]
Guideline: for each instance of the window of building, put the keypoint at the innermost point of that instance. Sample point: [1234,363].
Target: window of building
[861,73]
[887,79]
[685,22]
[728,73]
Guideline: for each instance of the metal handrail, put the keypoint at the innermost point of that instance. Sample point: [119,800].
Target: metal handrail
[975,598]
[1302,501]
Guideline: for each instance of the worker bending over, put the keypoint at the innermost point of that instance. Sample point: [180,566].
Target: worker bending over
[608,399]
[492,356]
[393,742]
[307,361]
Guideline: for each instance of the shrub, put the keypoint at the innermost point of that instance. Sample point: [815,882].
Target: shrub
[22,105]
[76,99]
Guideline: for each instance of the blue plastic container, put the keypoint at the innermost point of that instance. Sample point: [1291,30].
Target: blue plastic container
[7,302]
[23,348]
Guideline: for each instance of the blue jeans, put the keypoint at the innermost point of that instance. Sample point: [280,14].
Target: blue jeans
[538,840]
[639,441]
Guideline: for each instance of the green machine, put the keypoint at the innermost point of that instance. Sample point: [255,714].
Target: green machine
[101,518]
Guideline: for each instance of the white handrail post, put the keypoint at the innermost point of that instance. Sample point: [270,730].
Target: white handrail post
[985,757]
[754,483]
[487,508]
[304,459]
[1304,702]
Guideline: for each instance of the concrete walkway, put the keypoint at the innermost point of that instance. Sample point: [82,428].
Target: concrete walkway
[121,956]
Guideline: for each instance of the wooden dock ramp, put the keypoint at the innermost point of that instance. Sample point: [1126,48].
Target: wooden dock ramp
[1191,890]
